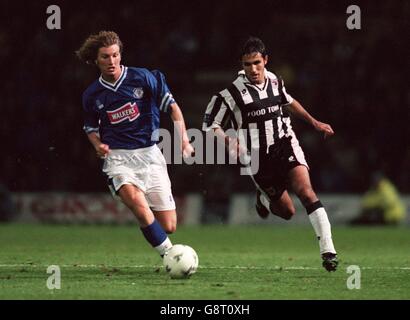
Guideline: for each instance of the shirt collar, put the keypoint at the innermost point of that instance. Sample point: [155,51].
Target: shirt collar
[114,86]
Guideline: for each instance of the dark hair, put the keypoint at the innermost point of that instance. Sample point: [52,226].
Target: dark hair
[253,45]
[89,49]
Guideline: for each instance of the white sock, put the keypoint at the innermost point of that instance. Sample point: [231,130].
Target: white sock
[166,245]
[321,225]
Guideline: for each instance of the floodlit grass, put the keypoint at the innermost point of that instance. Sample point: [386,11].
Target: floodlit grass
[261,262]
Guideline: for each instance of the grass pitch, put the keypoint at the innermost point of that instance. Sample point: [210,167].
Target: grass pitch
[261,262]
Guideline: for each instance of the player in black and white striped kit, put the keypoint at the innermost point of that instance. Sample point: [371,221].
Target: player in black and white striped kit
[257,105]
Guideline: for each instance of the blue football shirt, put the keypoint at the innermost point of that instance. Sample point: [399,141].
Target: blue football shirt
[127,112]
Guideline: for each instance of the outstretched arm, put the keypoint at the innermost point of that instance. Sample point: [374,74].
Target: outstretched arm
[296,109]
[179,123]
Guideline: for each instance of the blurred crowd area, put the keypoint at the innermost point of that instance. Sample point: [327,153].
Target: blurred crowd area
[355,80]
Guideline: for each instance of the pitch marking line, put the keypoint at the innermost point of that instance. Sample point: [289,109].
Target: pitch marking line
[28,265]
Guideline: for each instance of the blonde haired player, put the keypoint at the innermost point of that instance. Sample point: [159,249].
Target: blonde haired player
[121,113]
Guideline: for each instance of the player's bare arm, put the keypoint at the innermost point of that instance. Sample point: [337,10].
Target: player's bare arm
[179,122]
[296,109]
[102,149]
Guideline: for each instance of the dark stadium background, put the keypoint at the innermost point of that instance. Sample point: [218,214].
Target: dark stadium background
[356,80]
[52,188]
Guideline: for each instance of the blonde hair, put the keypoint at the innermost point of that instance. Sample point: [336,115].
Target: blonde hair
[89,50]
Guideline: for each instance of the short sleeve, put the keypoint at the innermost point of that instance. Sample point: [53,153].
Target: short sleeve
[161,92]
[286,98]
[217,114]
[90,116]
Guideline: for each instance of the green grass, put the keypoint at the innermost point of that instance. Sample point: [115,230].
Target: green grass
[236,262]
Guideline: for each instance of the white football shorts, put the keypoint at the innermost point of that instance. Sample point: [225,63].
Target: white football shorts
[144,168]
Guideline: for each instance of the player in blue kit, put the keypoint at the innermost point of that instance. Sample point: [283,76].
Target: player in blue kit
[121,115]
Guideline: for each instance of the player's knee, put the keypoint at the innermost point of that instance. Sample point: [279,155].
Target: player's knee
[170,228]
[306,195]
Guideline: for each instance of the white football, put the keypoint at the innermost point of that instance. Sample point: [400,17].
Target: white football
[181,261]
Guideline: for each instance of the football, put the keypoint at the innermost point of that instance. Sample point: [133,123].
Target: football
[181,261]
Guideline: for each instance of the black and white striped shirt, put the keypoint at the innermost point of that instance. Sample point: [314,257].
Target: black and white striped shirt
[255,111]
